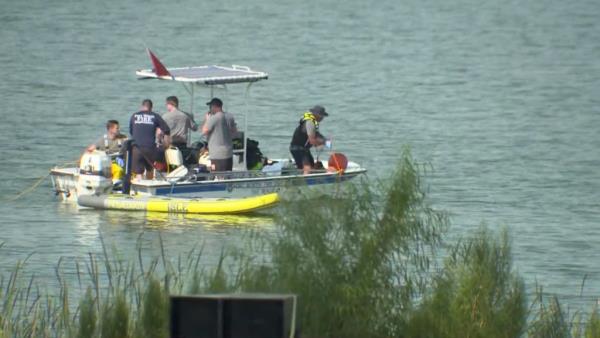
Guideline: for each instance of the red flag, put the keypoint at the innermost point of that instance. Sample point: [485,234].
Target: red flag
[159,68]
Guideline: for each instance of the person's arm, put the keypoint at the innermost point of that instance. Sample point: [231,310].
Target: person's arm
[99,144]
[191,123]
[209,124]
[314,138]
[159,136]
[131,126]
[160,123]
[164,129]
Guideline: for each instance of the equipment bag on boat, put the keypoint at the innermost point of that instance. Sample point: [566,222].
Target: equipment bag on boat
[254,157]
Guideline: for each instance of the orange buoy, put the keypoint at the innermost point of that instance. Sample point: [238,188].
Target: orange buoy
[337,162]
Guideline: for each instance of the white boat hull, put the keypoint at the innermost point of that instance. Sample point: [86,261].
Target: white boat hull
[65,182]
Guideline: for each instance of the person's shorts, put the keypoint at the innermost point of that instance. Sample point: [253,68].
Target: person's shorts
[143,158]
[222,165]
[179,146]
[302,157]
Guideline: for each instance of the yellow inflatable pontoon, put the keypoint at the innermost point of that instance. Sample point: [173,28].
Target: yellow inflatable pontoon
[179,205]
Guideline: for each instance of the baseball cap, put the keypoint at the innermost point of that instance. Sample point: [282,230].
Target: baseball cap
[319,110]
[215,102]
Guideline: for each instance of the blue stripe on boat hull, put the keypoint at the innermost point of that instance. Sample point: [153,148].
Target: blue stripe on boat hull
[271,184]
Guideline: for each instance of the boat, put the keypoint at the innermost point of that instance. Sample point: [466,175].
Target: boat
[278,175]
[179,205]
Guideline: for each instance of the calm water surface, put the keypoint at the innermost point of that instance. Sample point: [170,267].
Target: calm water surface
[501,97]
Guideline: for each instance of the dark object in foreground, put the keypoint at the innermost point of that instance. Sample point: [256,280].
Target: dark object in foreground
[233,316]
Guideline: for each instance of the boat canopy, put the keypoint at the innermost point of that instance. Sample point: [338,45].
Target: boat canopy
[207,75]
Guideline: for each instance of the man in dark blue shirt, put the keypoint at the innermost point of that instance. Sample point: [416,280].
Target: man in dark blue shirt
[143,127]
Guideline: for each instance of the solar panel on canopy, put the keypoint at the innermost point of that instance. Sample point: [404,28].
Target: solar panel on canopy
[208,74]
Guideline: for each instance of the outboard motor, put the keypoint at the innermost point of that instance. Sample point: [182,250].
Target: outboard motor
[95,175]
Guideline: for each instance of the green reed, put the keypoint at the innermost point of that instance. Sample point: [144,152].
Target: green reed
[477,294]
[361,264]
[121,298]
[356,262]
[553,321]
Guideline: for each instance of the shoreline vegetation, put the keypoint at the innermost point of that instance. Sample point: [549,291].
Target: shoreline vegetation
[361,266]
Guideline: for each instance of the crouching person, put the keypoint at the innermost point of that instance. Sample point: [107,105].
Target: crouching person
[112,144]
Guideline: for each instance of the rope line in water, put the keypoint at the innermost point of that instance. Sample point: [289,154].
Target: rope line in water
[38,182]
[28,190]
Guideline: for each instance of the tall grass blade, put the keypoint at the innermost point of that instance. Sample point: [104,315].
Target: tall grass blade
[87,316]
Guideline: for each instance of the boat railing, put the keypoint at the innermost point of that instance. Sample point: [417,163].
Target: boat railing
[66,165]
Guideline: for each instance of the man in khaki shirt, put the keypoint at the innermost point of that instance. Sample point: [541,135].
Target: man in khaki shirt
[110,142]
[179,122]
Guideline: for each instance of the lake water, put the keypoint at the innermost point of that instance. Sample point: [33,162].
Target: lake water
[502,98]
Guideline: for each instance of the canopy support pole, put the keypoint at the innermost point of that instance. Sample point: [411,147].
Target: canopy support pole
[192,100]
[186,88]
[189,132]
[190,91]
[246,117]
